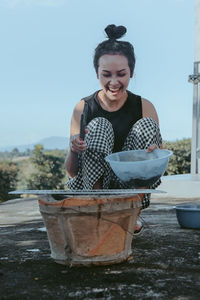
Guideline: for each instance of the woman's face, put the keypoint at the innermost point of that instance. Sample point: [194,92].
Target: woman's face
[114,75]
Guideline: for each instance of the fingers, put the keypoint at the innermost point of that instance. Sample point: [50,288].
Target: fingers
[77,144]
[151,148]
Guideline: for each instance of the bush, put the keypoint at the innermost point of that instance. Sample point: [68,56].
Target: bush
[49,170]
[180,161]
[8,179]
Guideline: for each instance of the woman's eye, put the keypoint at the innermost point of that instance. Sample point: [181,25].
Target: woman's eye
[121,74]
[106,75]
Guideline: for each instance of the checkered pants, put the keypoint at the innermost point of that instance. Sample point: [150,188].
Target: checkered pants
[100,143]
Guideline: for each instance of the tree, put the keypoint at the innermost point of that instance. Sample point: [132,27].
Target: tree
[49,172]
[8,179]
[180,161]
[27,152]
[15,152]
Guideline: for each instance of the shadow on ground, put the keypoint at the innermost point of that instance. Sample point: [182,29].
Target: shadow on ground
[166,265]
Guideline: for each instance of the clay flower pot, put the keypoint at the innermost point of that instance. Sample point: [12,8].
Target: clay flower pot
[90,230]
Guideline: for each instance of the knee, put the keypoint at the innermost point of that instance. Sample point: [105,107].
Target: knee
[146,127]
[99,123]
[100,127]
[144,133]
[100,134]
[147,123]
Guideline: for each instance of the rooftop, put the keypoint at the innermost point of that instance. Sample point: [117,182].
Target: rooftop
[166,262]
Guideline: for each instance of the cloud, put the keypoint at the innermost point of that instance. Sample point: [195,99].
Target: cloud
[17,3]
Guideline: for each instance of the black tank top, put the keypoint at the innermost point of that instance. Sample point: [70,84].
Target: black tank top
[122,120]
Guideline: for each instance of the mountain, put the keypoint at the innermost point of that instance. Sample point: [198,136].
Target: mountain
[50,143]
[55,142]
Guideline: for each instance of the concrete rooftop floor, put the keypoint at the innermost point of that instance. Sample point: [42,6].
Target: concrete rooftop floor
[166,262]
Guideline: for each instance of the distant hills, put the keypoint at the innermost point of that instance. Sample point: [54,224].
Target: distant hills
[50,143]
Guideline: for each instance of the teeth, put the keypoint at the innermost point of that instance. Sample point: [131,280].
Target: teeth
[114,90]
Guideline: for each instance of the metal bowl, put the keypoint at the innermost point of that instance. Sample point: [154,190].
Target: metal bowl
[138,168]
[188,215]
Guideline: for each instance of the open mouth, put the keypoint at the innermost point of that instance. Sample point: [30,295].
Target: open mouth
[114,90]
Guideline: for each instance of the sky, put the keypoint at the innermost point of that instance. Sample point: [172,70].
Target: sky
[46,62]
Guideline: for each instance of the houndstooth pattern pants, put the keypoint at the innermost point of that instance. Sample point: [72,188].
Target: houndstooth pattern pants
[100,143]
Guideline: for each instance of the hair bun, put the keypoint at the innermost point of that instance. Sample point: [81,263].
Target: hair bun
[115,32]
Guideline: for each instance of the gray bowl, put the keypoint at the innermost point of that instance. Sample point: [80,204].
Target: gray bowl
[138,168]
[188,215]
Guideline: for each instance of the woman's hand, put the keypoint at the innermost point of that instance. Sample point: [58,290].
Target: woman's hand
[153,147]
[78,145]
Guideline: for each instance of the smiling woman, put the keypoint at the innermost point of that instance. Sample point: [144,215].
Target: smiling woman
[114,77]
[116,119]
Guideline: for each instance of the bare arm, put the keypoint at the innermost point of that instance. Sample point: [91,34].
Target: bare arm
[77,145]
[148,110]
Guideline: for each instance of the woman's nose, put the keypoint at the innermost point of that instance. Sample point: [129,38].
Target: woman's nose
[113,80]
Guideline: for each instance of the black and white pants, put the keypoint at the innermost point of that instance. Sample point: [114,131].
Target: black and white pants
[100,143]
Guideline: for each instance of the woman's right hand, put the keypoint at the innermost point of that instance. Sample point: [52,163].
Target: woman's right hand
[77,145]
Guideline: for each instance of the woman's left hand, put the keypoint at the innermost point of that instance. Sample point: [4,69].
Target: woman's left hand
[153,147]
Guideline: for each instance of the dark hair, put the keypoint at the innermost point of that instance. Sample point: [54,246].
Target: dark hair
[112,46]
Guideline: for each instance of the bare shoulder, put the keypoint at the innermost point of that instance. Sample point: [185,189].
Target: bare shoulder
[78,109]
[76,117]
[148,110]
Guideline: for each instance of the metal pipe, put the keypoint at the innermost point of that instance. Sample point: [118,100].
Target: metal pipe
[197,31]
[195,79]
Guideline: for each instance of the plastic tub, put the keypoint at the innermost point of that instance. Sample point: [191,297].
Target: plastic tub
[188,215]
[139,168]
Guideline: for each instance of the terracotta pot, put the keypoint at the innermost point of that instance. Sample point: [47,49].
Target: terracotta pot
[90,230]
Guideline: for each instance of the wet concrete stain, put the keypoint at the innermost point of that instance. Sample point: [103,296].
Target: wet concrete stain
[166,265]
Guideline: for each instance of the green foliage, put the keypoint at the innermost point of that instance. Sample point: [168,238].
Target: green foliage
[8,179]
[40,169]
[179,163]
[15,153]
[58,153]
[49,170]
[26,168]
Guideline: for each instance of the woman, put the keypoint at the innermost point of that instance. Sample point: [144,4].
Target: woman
[116,119]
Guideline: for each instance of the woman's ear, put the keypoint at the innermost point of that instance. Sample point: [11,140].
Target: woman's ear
[131,75]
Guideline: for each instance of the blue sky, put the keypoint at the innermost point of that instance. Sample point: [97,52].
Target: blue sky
[46,63]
